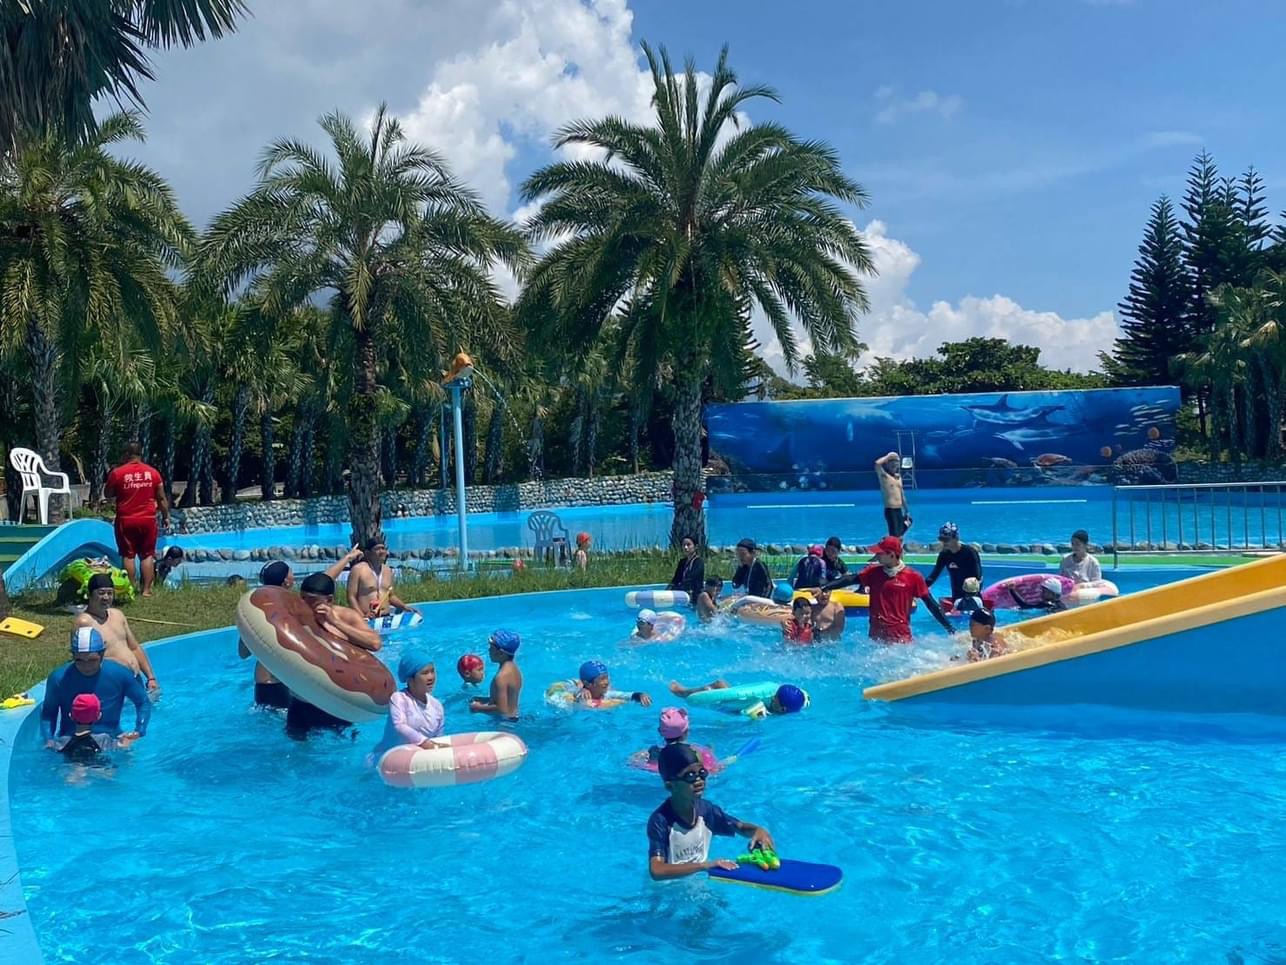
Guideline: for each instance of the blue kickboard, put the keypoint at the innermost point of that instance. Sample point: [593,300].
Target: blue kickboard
[395,621]
[797,877]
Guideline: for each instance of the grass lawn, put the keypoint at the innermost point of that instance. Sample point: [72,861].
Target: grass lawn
[205,606]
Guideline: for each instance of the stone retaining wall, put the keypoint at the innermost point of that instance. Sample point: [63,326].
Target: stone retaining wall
[1226,472]
[650,487]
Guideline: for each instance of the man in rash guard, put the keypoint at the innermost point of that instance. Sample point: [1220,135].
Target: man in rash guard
[89,673]
[959,560]
[679,832]
[751,576]
[893,588]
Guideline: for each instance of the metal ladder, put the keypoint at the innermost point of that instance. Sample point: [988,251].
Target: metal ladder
[905,442]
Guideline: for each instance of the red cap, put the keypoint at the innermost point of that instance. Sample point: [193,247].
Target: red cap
[816,550]
[890,544]
[582,537]
[469,663]
[86,709]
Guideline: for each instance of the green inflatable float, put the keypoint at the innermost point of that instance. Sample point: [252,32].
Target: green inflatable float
[79,572]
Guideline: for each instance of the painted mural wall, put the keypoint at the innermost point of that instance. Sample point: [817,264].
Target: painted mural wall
[1099,436]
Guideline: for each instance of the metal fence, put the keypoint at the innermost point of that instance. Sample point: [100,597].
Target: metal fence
[1199,517]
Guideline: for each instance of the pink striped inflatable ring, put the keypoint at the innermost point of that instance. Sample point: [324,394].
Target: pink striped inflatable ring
[469,759]
[1006,594]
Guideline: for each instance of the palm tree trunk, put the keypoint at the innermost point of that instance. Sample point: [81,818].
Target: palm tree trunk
[492,460]
[636,425]
[689,483]
[308,456]
[10,434]
[536,448]
[334,483]
[591,435]
[240,409]
[470,419]
[1249,394]
[577,432]
[169,448]
[42,353]
[420,457]
[295,455]
[102,456]
[388,456]
[140,430]
[268,458]
[1234,436]
[364,458]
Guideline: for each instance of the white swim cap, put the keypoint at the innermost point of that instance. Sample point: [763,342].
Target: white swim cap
[971,585]
[1053,584]
[647,616]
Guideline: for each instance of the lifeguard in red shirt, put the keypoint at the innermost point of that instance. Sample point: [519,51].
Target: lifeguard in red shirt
[139,492]
[893,588]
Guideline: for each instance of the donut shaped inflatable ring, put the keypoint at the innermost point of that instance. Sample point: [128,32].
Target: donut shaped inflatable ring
[757,609]
[562,693]
[283,634]
[642,760]
[668,626]
[469,759]
[656,599]
[850,600]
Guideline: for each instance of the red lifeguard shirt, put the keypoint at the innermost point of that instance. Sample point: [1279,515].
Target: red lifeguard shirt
[892,598]
[134,485]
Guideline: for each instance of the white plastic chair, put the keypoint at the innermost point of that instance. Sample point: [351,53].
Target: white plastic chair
[32,469]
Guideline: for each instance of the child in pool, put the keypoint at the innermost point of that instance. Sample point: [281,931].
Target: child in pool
[506,685]
[984,641]
[594,686]
[970,601]
[679,832]
[84,746]
[415,716]
[471,669]
[673,729]
[580,559]
[788,699]
[798,627]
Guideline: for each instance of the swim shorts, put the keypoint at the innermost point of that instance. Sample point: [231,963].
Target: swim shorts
[136,537]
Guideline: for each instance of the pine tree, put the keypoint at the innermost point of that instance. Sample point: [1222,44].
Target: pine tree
[1155,312]
[1253,209]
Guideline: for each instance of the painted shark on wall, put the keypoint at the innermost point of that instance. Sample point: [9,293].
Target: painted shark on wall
[1013,438]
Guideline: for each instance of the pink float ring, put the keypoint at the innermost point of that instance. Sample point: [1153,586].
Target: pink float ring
[640,760]
[466,759]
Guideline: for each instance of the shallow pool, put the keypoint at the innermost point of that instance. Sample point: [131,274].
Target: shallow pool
[1076,832]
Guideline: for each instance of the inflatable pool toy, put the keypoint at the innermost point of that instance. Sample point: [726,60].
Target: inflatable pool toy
[466,759]
[22,700]
[762,858]
[21,628]
[850,600]
[654,599]
[562,693]
[1011,593]
[749,699]
[757,609]
[782,591]
[401,620]
[667,627]
[81,571]
[796,877]
[641,760]
[282,632]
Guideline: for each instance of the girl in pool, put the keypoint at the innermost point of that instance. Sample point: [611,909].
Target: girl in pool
[798,627]
[580,559]
[673,730]
[415,716]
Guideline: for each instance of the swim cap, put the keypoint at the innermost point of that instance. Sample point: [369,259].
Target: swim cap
[674,759]
[791,698]
[983,616]
[101,581]
[468,664]
[85,708]
[971,585]
[412,662]
[834,541]
[583,537]
[747,544]
[815,550]
[274,573]
[674,722]
[948,530]
[647,616]
[506,640]
[1053,584]
[591,670]
[86,640]
[318,584]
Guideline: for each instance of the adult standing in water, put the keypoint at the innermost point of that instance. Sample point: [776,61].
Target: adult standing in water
[888,470]
[89,673]
[960,561]
[690,573]
[119,643]
[139,492]
[834,563]
[751,576]
[370,583]
[893,588]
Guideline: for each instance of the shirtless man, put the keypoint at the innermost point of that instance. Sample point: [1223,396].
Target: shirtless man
[370,583]
[828,616]
[506,685]
[118,639]
[888,469]
[707,602]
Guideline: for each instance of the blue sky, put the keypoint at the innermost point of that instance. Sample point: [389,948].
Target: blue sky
[1011,148]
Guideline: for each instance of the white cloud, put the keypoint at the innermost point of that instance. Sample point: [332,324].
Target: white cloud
[896,328]
[891,106]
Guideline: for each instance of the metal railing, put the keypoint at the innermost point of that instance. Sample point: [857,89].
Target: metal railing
[1198,517]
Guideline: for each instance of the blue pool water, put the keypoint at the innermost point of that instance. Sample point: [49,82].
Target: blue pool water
[1073,832]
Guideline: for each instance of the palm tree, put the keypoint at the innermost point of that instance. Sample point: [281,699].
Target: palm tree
[88,242]
[56,59]
[684,227]
[116,379]
[403,250]
[1265,342]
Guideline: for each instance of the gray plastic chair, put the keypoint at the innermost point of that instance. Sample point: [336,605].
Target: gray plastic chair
[546,527]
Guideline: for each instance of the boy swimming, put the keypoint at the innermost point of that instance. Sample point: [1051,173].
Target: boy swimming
[984,641]
[593,687]
[506,685]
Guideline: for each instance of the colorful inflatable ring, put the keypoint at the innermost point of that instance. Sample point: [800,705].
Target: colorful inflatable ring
[850,600]
[757,609]
[656,599]
[562,693]
[1091,592]
[641,760]
[739,698]
[343,680]
[469,759]
[398,620]
[668,626]
[1006,594]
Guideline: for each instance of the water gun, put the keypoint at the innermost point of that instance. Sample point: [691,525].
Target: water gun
[761,858]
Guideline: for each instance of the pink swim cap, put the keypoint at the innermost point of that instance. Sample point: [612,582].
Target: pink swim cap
[86,709]
[469,663]
[674,722]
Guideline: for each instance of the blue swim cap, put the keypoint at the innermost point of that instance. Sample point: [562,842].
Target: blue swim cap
[507,640]
[591,670]
[791,698]
[412,662]
[86,640]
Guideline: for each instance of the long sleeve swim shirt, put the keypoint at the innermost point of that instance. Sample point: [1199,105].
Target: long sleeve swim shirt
[111,685]
[411,722]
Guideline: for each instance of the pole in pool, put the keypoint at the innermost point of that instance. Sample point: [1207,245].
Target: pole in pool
[457,387]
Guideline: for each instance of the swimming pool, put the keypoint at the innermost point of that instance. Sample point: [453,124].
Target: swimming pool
[1075,832]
